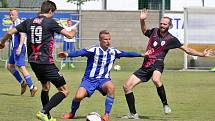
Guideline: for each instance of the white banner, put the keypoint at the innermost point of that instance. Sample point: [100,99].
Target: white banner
[178,25]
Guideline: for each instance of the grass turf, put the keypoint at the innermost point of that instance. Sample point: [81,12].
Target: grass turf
[190,95]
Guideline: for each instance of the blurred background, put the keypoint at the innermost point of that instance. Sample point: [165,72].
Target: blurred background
[191,25]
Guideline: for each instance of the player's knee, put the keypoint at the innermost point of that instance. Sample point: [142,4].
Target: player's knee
[126,87]
[46,87]
[78,98]
[64,90]
[66,93]
[111,90]
[10,68]
[21,68]
[157,83]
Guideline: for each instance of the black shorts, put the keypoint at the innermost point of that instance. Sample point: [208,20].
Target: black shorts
[145,74]
[48,72]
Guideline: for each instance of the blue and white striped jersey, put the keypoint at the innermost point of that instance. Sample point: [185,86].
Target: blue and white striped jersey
[99,61]
[15,37]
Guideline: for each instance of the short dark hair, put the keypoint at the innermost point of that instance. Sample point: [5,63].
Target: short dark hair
[47,6]
[103,32]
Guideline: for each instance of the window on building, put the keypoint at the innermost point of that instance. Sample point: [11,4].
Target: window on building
[153,4]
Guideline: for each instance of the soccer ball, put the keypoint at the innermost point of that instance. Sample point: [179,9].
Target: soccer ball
[93,116]
[117,67]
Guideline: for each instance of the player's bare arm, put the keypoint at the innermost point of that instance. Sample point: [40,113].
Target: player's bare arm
[143,16]
[190,51]
[68,34]
[22,40]
[77,22]
[7,37]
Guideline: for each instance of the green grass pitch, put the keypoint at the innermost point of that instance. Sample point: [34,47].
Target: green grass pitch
[190,95]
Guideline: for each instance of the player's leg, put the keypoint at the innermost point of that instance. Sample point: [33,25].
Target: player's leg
[139,76]
[12,69]
[156,78]
[54,101]
[71,48]
[79,96]
[45,94]
[15,73]
[81,93]
[20,63]
[60,84]
[28,79]
[63,62]
[128,87]
[39,72]
[86,89]
[44,97]
[109,88]
[50,72]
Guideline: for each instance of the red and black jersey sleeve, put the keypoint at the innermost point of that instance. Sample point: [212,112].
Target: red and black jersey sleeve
[54,26]
[22,27]
[149,32]
[174,43]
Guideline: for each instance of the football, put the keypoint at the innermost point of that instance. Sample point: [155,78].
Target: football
[117,67]
[93,116]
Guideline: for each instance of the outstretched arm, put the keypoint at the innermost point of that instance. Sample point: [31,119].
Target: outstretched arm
[143,16]
[130,54]
[190,51]
[73,54]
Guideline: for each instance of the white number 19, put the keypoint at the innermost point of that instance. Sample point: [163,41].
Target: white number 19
[36,34]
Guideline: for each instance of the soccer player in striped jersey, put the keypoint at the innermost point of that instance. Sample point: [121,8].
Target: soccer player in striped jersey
[17,56]
[100,59]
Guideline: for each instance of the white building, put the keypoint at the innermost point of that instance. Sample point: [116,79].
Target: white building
[98,5]
[178,5]
[175,5]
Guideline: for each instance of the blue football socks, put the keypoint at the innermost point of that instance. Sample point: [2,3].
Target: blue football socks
[75,106]
[17,75]
[29,81]
[108,104]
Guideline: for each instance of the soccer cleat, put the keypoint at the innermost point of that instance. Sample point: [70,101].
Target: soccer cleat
[212,69]
[166,109]
[68,116]
[41,116]
[23,87]
[131,116]
[52,119]
[62,65]
[33,91]
[105,118]
[72,65]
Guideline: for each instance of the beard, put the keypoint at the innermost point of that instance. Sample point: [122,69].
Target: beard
[163,30]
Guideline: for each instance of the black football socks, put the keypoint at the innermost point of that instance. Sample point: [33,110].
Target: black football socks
[162,94]
[131,102]
[54,101]
[45,99]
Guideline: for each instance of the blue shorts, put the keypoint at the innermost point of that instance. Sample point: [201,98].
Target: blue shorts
[68,46]
[18,60]
[92,84]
